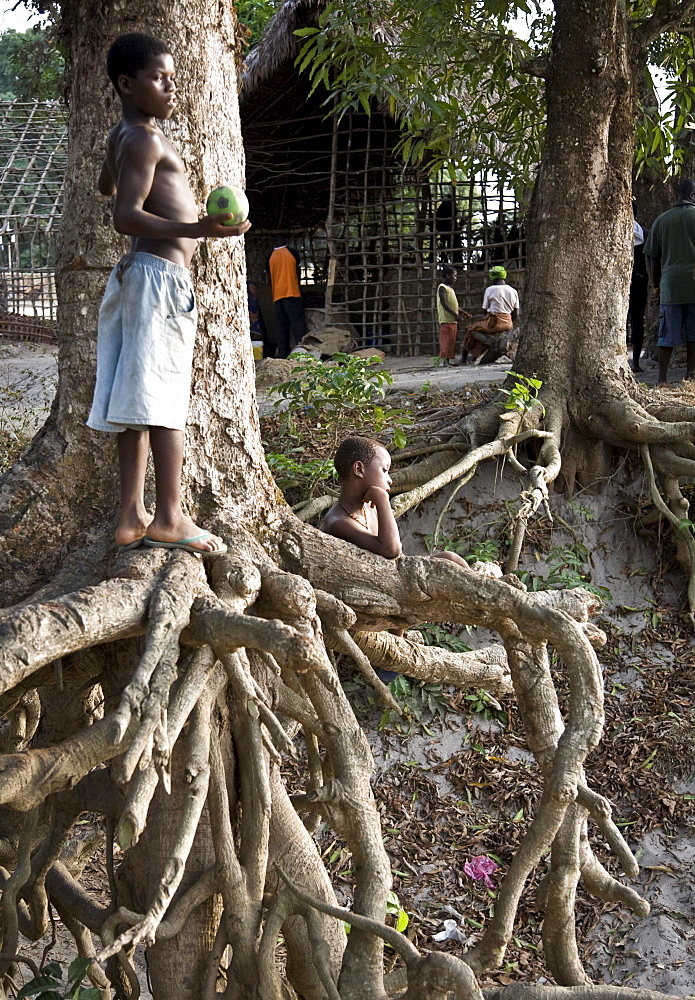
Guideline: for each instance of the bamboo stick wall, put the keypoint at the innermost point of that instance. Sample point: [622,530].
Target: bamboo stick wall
[374,264]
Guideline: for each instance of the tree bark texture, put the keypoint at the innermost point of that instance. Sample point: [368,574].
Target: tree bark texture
[580,223]
[224,467]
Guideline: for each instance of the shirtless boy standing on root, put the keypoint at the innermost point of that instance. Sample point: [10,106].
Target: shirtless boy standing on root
[147,321]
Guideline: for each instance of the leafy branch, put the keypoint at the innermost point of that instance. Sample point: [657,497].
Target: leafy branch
[50,985]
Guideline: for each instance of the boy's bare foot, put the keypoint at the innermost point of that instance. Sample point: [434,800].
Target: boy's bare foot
[661,385]
[184,529]
[130,529]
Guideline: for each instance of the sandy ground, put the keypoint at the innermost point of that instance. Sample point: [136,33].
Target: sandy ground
[657,952]
[28,379]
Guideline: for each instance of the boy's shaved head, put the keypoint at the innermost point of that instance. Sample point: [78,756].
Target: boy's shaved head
[354,449]
[131,53]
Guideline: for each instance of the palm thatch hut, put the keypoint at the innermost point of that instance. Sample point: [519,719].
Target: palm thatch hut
[370,233]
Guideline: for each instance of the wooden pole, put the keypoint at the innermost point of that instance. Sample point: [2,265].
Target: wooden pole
[330,225]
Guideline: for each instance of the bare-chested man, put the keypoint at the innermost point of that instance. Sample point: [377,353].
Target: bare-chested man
[147,321]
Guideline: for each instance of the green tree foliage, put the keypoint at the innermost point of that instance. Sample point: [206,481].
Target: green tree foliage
[465,79]
[31,66]
[451,72]
[254,15]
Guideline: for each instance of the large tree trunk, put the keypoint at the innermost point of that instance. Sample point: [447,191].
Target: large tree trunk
[68,462]
[579,265]
[580,218]
[580,222]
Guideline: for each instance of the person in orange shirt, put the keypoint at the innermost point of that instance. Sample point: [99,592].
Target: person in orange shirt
[283,267]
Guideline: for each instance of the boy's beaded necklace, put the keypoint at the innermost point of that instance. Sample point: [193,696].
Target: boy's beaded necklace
[363,524]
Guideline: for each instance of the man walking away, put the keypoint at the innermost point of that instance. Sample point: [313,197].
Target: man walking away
[670,248]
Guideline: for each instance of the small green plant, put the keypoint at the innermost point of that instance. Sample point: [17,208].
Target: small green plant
[437,635]
[449,543]
[485,551]
[50,985]
[567,568]
[290,474]
[524,395]
[585,512]
[420,701]
[482,703]
[395,910]
[336,394]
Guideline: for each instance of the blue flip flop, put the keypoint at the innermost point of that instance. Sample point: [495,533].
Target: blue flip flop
[131,545]
[186,545]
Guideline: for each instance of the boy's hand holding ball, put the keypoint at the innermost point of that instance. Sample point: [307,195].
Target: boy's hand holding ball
[229,207]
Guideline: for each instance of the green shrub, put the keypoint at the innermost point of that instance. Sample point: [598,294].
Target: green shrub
[339,395]
[49,984]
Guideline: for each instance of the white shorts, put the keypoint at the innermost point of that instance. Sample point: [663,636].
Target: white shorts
[147,325]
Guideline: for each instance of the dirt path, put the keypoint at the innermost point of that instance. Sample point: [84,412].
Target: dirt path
[28,380]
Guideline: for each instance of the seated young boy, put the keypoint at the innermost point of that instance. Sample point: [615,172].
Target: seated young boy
[147,322]
[362,513]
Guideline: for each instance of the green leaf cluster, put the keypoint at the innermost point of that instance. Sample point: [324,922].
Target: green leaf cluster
[450,73]
[524,395]
[289,473]
[254,15]
[436,635]
[50,984]
[395,910]
[337,392]
[421,701]
[481,702]
[31,66]
[466,88]
[567,567]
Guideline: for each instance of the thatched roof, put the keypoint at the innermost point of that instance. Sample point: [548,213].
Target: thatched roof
[279,46]
[287,133]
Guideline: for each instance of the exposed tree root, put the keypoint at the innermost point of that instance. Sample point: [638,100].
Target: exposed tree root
[484,668]
[227,669]
[499,446]
[683,530]
[522,992]
[272,670]
[434,976]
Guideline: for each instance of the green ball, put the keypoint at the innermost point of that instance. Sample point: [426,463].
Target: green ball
[223,200]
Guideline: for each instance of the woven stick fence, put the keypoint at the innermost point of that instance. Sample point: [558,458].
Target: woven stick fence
[376,235]
[33,158]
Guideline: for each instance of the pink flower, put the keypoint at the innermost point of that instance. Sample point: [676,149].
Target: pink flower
[480,869]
